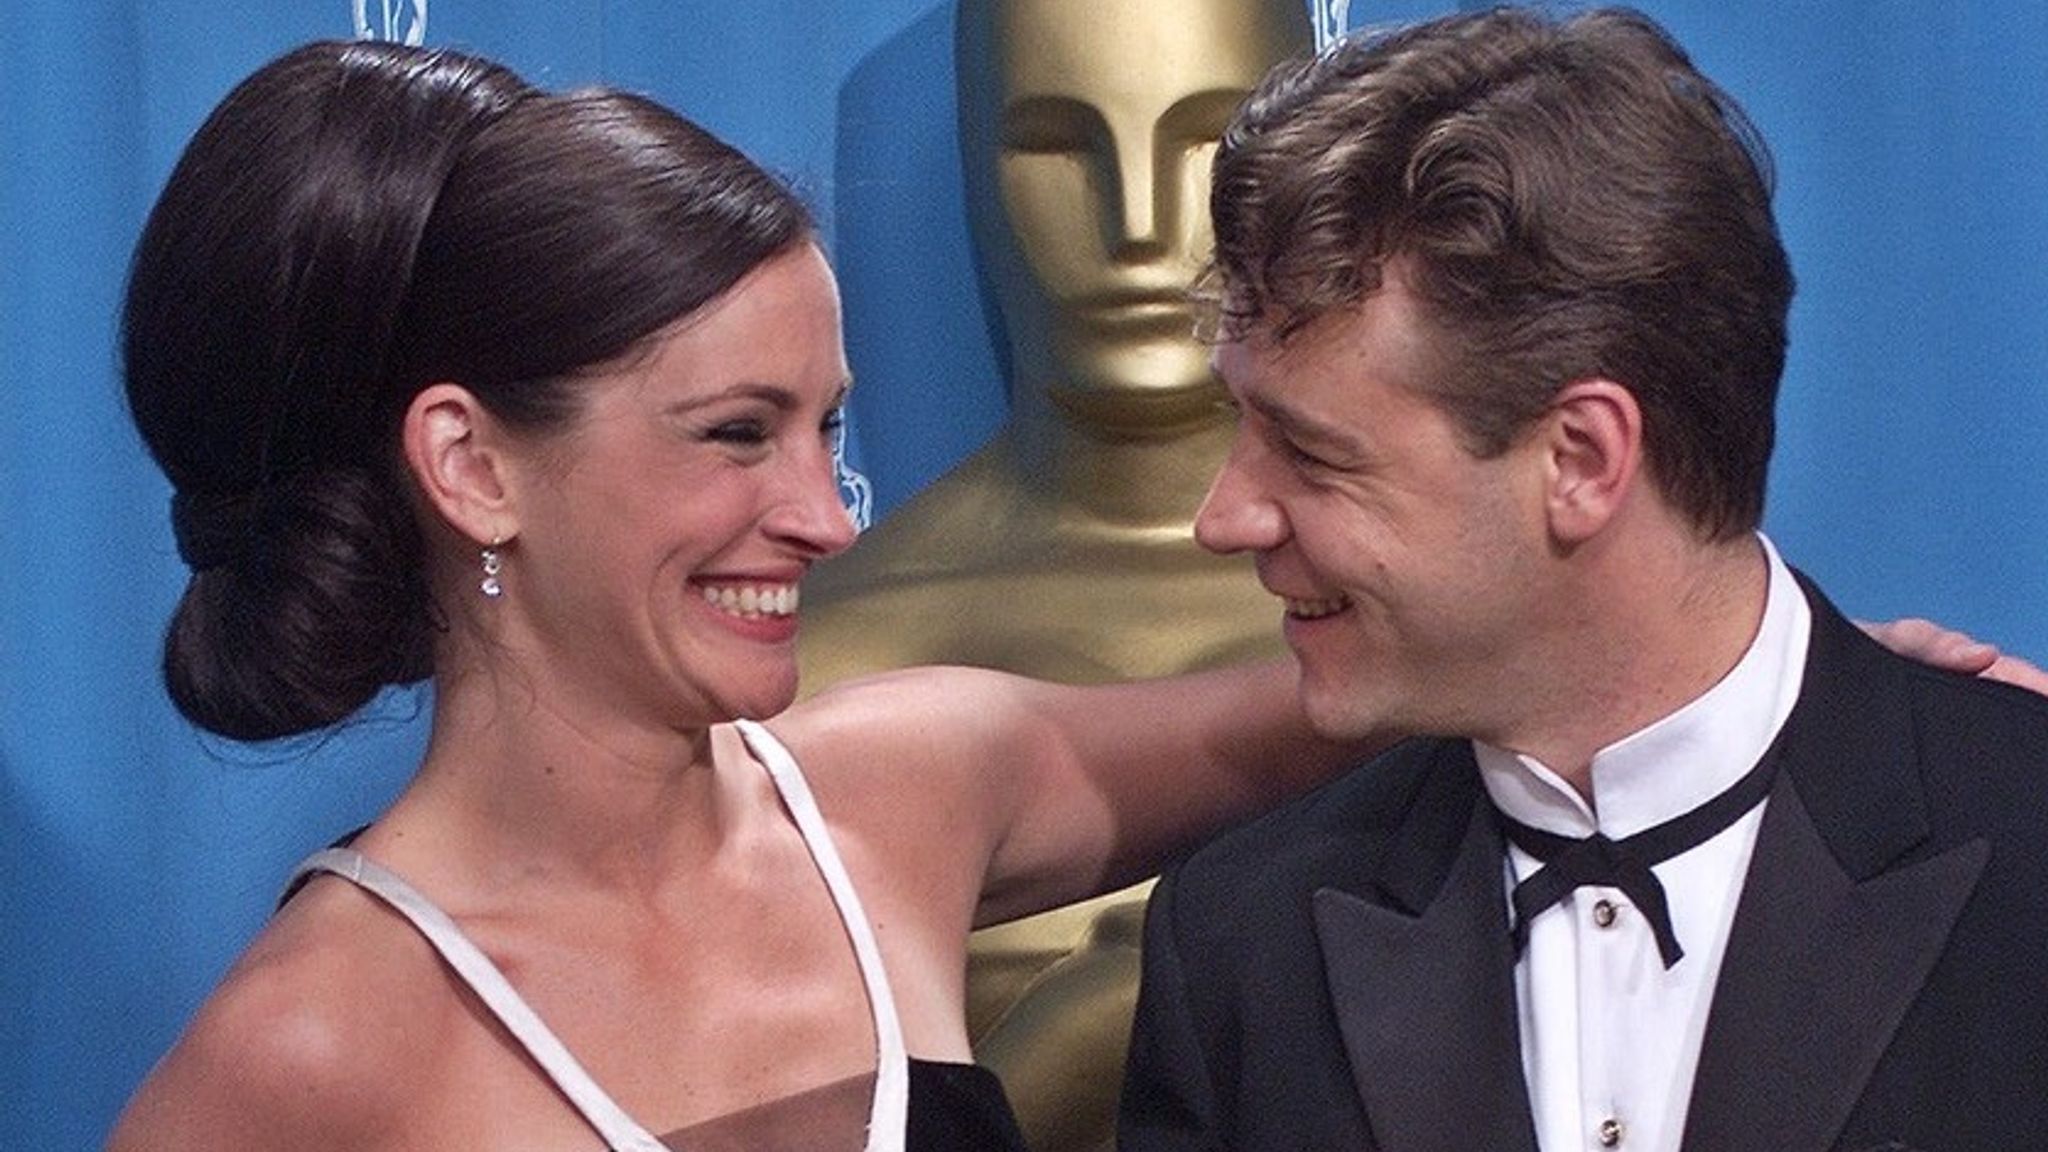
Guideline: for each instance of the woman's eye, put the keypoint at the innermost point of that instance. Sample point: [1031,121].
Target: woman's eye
[738,432]
[833,422]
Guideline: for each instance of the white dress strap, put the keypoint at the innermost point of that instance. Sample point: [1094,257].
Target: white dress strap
[619,1130]
[888,1120]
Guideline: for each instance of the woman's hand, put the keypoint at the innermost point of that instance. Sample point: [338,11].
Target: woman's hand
[1940,647]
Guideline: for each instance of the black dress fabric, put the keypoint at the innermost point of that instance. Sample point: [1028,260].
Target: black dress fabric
[959,1108]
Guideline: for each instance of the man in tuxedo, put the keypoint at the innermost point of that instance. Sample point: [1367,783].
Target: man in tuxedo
[1687,861]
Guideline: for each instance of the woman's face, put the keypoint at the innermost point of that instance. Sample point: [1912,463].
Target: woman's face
[662,537]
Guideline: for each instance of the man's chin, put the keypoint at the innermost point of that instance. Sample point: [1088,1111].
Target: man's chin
[1339,711]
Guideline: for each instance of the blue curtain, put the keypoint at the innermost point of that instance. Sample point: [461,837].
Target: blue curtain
[136,858]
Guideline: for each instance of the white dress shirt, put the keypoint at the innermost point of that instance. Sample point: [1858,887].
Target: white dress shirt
[1610,1038]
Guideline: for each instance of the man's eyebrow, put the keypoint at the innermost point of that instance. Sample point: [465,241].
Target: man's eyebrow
[1300,426]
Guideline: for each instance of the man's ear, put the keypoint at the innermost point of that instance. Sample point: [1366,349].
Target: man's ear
[456,453]
[1593,444]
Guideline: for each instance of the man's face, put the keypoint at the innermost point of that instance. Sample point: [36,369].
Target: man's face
[1408,566]
[1108,117]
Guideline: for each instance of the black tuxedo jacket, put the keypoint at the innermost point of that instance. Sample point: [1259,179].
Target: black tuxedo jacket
[1339,974]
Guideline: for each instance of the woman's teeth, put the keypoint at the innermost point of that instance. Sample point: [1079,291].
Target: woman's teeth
[748,600]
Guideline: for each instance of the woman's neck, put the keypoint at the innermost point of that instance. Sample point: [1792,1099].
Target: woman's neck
[519,791]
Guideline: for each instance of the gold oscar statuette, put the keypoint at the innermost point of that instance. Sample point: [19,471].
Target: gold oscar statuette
[1064,548]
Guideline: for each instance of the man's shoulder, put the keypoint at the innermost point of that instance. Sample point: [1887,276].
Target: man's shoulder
[1982,746]
[1966,755]
[1336,830]
[1954,717]
[1953,698]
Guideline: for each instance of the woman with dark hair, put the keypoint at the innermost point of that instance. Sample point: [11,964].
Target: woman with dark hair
[534,394]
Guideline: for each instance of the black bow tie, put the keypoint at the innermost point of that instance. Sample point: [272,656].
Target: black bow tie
[1570,862]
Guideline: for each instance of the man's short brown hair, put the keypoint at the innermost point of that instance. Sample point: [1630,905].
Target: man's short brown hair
[1570,198]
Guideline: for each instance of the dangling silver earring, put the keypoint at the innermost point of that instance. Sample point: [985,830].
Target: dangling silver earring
[493,564]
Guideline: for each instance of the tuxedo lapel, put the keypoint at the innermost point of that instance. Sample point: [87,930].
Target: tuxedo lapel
[1819,971]
[1422,981]
[1839,922]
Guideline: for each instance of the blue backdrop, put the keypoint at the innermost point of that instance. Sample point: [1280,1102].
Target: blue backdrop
[136,857]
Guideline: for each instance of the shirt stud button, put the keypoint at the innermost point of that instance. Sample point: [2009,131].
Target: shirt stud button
[1605,913]
[1610,1133]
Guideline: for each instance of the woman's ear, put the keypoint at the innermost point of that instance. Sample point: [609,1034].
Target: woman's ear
[1594,444]
[457,455]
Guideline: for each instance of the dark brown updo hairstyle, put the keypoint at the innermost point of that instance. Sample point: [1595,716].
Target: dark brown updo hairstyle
[354,222]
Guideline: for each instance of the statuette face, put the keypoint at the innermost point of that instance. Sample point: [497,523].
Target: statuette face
[1089,129]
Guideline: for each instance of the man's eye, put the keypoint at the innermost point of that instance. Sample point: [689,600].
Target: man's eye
[1285,447]
[1302,456]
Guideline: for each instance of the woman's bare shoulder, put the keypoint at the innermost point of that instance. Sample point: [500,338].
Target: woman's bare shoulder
[320,1036]
[908,715]
[912,768]
[933,733]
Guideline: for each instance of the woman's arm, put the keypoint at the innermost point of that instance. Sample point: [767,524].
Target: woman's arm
[323,1034]
[1060,792]
[257,1069]
[1050,793]
[1131,775]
